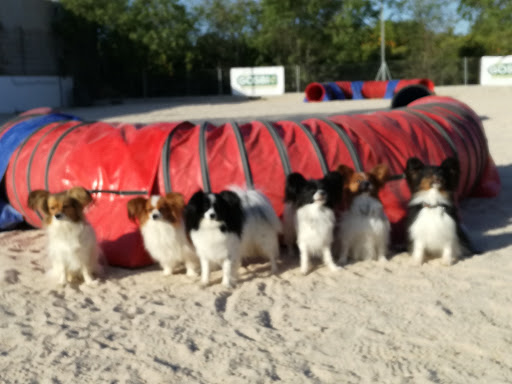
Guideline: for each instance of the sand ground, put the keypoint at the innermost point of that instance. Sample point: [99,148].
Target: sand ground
[370,323]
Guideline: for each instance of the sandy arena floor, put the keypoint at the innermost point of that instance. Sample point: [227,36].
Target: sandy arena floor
[392,323]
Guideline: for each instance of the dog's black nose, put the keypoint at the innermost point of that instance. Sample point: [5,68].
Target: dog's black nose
[58,216]
[321,193]
[364,186]
[155,216]
[213,216]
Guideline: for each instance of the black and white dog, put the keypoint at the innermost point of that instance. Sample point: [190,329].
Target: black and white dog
[309,216]
[214,223]
[433,220]
[226,226]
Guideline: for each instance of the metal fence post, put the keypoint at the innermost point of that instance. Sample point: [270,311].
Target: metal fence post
[144,84]
[297,77]
[465,70]
[22,51]
[219,80]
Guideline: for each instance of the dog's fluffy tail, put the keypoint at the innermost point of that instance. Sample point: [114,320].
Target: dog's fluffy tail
[257,206]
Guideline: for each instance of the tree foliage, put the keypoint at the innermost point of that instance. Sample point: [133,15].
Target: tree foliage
[492,25]
[108,42]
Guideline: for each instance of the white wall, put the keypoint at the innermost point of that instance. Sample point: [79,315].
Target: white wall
[19,93]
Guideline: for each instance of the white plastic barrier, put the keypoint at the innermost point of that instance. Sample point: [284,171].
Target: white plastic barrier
[496,70]
[257,81]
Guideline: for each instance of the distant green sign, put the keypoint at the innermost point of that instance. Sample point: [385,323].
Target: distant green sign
[256,80]
[500,69]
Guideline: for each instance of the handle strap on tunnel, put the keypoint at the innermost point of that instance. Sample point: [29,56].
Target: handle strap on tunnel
[319,154]
[278,142]
[207,187]
[358,165]
[243,155]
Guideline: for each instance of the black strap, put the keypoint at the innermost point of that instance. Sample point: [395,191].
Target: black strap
[34,151]
[54,148]
[15,163]
[358,165]
[121,193]
[398,177]
[243,155]
[203,157]
[165,160]
[283,154]
[320,156]
[436,125]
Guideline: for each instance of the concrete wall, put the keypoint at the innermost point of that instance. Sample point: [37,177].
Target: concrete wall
[19,93]
[28,14]
[27,43]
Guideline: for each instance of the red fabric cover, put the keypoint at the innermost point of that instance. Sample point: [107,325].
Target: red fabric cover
[124,157]
[429,84]
[374,89]
[346,87]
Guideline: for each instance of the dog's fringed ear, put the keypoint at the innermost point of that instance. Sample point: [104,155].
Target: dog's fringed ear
[135,207]
[295,182]
[381,173]
[191,212]
[452,168]
[335,182]
[235,217]
[345,171]
[81,195]
[38,201]
[412,170]
[177,201]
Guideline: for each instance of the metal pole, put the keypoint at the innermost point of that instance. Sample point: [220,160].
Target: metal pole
[465,70]
[297,78]
[22,51]
[219,80]
[144,84]
[382,36]
[383,73]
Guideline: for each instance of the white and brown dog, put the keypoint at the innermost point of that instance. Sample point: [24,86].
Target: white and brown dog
[364,229]
[161,223]
[433,224]
[72,246]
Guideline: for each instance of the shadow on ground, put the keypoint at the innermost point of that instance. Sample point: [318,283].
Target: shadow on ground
[484,218]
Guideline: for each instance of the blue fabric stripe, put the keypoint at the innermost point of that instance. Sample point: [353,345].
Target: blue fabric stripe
[8,144]
[357,89]
[328,92]
[390,89]
[336,90]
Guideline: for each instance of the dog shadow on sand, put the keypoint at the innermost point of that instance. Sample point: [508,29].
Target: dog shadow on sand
[488,221]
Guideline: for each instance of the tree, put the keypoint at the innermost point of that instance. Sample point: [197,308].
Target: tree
[491,25]
[227,28]
[161,29]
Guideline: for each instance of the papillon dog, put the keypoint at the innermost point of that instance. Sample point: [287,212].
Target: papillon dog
[72,246]
[261,227]
[161,223]
[309,216]
[214,222]
[365,228]
[433,220]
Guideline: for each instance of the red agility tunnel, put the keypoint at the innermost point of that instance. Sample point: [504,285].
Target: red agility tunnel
[119,161]
[340,90]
